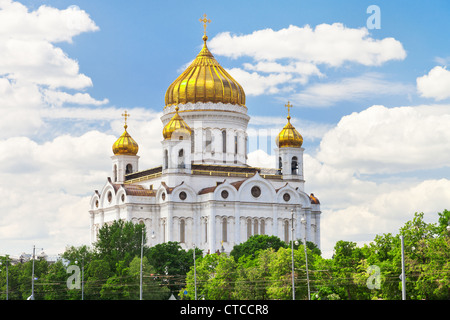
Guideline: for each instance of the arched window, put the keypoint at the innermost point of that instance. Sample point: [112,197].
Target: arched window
[115,173]
[181,158]
[255,226]
[280,165]
[208,140]
[249,228]
[182,231]
[294,165]
[129,169]
[286,231]
[224,230]
[236,143]
[166,159]
[262,226]
[224,141]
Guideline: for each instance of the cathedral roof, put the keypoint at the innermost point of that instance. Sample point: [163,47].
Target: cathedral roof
[176,125]
[205,80]
[125,145]
[314,200]
[289,136]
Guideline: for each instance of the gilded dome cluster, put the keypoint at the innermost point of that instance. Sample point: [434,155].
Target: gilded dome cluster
[205,80]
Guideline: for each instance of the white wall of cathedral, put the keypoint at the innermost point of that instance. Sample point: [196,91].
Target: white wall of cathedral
[123,164]
[214,220]
[219,131]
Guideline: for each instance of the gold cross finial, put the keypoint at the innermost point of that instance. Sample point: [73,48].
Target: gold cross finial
[288,106]
[125,115]
[205,21]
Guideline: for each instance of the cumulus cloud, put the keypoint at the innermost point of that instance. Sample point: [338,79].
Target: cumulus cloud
[435,84]
[327,44]
[292,55]
[47,185]
[34,71]
[386,140]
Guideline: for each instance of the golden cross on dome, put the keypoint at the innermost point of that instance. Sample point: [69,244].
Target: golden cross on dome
[125,115]
[288,106]
[205,21]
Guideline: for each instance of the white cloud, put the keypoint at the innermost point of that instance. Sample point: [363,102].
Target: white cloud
[256,84]
[58,98]
[327,44]
[33,70]
[47,186]
[435,84]
[286,58]
[348,89]
[386,140]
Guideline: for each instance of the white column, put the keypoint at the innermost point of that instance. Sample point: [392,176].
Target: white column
[212,229]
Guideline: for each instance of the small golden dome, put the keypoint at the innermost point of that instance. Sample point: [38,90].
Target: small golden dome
[289,137]
[314,199]
[125,145]
[205,81]
[176,125]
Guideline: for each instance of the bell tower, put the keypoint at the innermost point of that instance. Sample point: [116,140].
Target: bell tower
[290,152]
[125,159]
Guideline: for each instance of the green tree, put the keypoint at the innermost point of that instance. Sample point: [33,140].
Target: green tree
[120,241]
[256,243]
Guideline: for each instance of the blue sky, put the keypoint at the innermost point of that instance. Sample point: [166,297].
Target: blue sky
[372,104]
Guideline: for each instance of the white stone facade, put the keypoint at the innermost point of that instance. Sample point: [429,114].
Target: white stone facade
[204,194]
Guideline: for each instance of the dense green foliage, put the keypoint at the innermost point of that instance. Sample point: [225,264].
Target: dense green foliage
[259,268]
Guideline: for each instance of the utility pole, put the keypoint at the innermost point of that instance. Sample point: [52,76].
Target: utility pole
[306,258]
[195,276]
[403,269]
[292,251]
[142,253]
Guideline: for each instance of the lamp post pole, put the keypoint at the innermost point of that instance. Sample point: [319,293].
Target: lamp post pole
[32,272]
[142,253]
[403,269]
[306,258]
[292,251]
[195,276]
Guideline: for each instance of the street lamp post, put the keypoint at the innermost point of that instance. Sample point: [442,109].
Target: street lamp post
[32,272]
[140,272]
[292,251]
[82,277]
[195,275]
[306,257]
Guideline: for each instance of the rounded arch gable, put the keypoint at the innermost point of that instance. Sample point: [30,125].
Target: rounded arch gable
[256,189]
[225,192]
[184,193]
[108,196]
[289,195]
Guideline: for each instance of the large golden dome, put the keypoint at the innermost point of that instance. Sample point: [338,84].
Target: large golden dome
[176,125]
[125,145]
[205,81]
